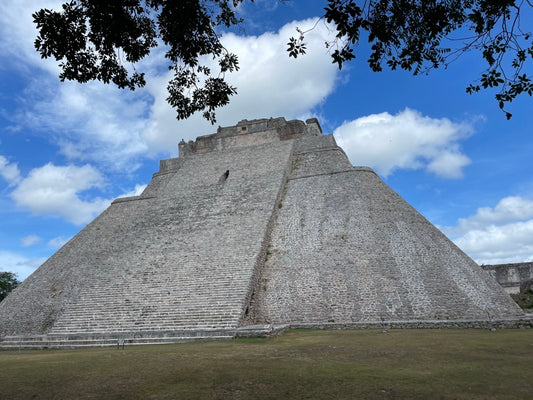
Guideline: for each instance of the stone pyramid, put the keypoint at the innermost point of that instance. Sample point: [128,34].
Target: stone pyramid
[263,223]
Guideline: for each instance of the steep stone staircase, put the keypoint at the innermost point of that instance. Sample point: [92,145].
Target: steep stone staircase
[175,264]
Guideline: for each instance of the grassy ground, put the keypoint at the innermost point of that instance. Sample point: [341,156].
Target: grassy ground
[301,364]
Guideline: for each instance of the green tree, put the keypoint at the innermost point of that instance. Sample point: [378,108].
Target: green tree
[8,282]
[94,39]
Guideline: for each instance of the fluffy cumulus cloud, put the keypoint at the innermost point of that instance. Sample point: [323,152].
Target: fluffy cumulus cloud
[90,122]
[499,234]
[57,190]
[407,140]
[19,264]
[116,128]
[18,32]
[269,84]
[9,171]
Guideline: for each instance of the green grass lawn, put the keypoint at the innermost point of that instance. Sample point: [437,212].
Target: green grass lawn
[300,364]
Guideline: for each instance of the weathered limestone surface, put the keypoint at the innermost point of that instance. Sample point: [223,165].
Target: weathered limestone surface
[346,248]
[265,222]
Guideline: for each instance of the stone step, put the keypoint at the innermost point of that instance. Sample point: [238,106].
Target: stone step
[124,317]
[174,308]
[140,321]
[207,308]
[154,312]
[51,344]
[132,295]
[154,317]
[126,328]
[105,327]
[135,314]
[131,337]
[159,302]
[163,286]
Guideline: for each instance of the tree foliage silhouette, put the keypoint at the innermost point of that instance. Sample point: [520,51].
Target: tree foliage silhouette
[105,40]
[8,282]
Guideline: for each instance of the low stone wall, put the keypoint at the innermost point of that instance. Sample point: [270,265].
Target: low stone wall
[511,276]
[525,322]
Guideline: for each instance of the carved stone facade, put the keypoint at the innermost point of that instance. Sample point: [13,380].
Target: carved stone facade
[262,223]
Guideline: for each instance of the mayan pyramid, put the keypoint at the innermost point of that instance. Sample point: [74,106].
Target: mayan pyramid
[263,223]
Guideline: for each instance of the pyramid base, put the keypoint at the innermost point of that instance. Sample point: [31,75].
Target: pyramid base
[123,339]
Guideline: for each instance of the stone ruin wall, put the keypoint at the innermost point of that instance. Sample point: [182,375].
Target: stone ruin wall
[513,277]
[249,133]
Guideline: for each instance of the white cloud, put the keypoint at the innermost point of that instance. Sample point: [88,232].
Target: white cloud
[60,191]
[509,209]
[448,164]
[500,234]
[269,84]
[9,171]
[18,33]
[57,190]
[102,124]
[407,140]
[30,240]
[18,264]
[91,122]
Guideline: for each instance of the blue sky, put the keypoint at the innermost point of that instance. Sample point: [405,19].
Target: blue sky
[67,150]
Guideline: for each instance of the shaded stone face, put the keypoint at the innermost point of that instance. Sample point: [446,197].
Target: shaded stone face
[264,222]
